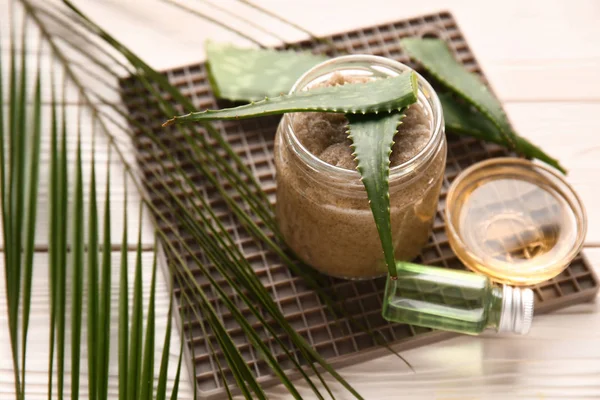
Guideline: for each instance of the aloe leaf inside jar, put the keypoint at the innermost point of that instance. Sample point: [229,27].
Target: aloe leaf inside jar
[322,207]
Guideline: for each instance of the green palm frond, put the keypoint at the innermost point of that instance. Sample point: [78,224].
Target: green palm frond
[104,300]
[149,78]
[123,310]
[80,249]
[74,271]
[93,286]
[19,179]
[134,365]
[77,265]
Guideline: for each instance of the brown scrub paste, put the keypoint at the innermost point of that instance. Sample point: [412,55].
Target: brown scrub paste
[332,229]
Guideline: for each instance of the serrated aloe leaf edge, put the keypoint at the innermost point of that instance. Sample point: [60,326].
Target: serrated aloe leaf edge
[435,56]
[460,118]
[372,140]
[381,95]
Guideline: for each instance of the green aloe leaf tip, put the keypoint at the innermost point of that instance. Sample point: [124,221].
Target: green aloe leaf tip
[462,119]
[372,140]
[435,56]
[381,95]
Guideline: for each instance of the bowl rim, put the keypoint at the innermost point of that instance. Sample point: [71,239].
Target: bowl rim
[556,180]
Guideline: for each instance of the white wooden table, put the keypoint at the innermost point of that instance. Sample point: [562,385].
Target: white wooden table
[542,58]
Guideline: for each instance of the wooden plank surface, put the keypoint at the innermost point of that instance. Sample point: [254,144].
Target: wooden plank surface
[542,59]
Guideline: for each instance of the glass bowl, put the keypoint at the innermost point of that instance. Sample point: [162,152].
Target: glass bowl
[518,222]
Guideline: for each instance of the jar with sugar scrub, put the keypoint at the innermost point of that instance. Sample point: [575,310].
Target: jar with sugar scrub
[322,207]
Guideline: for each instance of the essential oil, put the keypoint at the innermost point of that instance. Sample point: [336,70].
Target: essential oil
[458,301]
[518,222]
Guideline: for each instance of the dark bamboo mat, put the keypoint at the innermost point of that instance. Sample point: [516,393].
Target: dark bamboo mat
[252,140]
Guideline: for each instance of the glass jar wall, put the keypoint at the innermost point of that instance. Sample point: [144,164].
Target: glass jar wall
[323,211]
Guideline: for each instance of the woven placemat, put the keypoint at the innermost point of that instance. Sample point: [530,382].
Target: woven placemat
[252,140]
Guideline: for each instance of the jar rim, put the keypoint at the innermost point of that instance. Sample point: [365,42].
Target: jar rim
[424,90]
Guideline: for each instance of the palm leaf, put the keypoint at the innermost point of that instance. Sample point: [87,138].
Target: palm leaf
[136,334]
[31,218]
[259,290]
[77,265]
[103,348]
[12,243]
[53,242]
[19,198]
[92,288]
[255,230]
[123,310]
[175,392]
[147,375]
[239,174]
[161,387]
[61,275]
[187,306]
[3,202]
[217,242]
[19,181]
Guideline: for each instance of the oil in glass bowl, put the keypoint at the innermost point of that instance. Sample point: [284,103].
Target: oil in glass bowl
[518,222]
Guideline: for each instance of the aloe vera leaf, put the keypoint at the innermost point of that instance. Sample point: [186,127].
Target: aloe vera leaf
[379,95]
[436,58]
[461,118]
[372,140]
[248,74]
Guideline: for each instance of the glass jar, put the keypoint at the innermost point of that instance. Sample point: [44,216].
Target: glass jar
[323,211]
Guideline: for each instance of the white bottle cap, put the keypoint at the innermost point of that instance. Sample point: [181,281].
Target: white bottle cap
[517,310]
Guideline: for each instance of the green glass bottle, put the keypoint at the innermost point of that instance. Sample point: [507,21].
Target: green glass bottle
[458,301]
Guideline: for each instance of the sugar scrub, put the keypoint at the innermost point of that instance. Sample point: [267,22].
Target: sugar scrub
[324,134]
[322,207]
